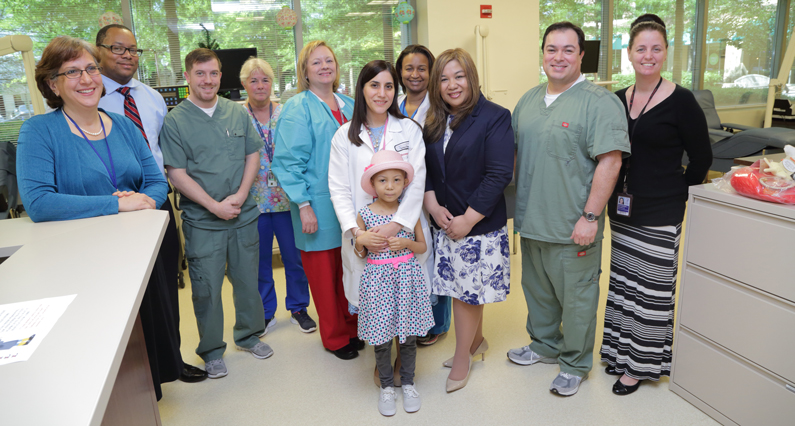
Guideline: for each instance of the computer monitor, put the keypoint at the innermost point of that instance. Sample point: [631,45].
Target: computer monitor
[590,62]
[231,62]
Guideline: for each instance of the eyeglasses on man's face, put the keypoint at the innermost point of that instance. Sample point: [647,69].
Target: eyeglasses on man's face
[119,50]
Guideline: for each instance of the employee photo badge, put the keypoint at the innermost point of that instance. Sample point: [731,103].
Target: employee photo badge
[624,205]
[272,183]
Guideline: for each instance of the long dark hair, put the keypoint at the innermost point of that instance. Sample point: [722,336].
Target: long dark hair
[372,69]
[436,120]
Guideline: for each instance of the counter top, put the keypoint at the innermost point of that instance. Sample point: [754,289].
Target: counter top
[106,261]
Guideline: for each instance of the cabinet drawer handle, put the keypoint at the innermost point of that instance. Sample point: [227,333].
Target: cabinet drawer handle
[790,388]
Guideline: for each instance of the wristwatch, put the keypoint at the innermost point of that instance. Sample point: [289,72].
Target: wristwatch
[590,217]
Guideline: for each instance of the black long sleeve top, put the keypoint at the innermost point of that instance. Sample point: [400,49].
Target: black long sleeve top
[656,179]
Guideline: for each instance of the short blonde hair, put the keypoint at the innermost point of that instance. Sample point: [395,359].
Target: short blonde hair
[256,64]
[303,59]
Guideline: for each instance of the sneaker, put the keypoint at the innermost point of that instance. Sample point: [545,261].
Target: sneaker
[411,399]
[386,403]
[566,384]
[269,323]
[525,356]
[260,351]
[428,339]
[215,368]
[304,321]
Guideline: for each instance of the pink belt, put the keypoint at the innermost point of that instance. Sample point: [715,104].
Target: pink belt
[395,261]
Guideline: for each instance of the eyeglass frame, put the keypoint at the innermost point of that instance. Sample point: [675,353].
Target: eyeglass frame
[98,68]
[133,52]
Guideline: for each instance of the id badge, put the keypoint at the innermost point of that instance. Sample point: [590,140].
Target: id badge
[624,206]
[272,183]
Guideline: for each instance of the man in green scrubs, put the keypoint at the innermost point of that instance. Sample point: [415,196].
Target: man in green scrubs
[570,138]
[210,149]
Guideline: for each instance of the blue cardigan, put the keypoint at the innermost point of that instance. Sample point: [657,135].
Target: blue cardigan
[476,167]
[61,177]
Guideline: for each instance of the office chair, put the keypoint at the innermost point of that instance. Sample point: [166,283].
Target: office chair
[8,181]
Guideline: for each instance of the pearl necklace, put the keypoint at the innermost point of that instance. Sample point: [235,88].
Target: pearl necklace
[90,133]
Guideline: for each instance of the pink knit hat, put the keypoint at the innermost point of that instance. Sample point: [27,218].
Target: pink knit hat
[385,160]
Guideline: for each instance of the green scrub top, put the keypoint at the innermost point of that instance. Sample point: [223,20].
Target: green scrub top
[213,151]
[557,148]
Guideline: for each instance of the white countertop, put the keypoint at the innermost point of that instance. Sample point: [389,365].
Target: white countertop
[106,262]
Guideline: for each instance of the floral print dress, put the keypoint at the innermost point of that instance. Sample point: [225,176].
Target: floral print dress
[393,298]
[269,199]
[475,269]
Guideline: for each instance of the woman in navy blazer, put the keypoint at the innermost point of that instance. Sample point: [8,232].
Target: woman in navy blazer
[469,160]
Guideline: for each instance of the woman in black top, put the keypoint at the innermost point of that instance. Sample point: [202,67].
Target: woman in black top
[646,212]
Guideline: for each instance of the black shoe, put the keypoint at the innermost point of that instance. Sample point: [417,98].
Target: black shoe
[356,343]
[622,389]
[191,374]
[612,371]
[304,321]
[346,352]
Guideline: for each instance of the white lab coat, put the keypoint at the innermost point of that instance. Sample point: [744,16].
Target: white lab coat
[346,167]
[422,111]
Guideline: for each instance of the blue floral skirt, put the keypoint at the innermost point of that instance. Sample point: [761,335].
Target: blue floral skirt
[475,269]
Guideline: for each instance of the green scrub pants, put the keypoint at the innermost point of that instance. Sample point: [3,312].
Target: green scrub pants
[208,253]
[561,288]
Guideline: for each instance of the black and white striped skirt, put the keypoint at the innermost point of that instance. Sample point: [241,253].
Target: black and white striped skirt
[639,317]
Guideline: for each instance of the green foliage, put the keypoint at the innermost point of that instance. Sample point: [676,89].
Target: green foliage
[208,43]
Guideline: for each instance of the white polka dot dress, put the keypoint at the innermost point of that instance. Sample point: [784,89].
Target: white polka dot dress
[393,299]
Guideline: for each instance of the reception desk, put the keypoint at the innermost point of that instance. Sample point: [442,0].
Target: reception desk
[91,368]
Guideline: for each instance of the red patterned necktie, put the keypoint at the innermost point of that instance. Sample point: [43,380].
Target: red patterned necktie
[131,111]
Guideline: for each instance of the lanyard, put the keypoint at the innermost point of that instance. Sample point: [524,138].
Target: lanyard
[403,109]
[635,125]
[112,170]
[339,109]
[377,146]
[268,139]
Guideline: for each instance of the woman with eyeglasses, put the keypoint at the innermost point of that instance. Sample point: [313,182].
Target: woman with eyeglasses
[80,161]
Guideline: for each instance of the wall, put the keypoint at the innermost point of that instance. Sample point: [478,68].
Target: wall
[749,116]
[513,42]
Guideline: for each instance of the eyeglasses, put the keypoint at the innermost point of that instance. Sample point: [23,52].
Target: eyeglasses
[75,73]
[119,50]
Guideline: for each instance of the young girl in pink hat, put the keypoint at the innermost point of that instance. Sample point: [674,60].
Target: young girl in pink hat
[393,299]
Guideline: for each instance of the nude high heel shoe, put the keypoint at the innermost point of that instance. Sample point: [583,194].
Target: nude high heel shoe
[454,385]
[481,350]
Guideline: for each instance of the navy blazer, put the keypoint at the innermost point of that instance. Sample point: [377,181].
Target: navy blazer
[476,168]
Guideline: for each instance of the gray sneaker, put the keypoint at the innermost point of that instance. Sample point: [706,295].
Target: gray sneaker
[215,368]
[566,384]
[261,350]
[386,402]
[269,323]
[525,356]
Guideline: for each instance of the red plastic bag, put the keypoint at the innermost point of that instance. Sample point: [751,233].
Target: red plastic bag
[753,182]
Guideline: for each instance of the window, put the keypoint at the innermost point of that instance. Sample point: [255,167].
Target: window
[680,25]
[739,50]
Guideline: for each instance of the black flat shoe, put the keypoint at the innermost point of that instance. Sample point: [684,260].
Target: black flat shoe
[346,352]
[612,371]
[191,374]
[357,343]
[621,389]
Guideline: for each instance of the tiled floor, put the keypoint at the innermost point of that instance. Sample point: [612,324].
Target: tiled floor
[304,384]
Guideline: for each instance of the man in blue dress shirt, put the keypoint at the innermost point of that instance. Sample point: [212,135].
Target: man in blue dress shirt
[119,56]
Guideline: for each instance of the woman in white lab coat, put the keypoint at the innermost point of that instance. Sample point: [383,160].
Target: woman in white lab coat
[380,125]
